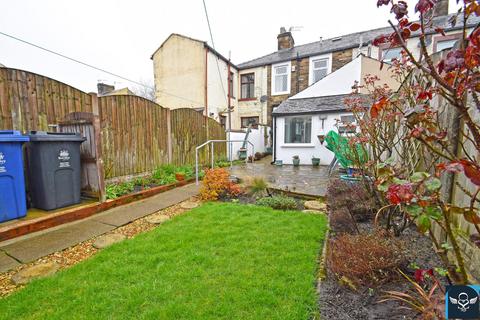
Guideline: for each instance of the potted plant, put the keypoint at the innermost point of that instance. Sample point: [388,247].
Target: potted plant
[179,176]
[296,161]
[242,153]
[315,161]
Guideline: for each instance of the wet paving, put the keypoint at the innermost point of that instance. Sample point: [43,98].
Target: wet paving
[303,179]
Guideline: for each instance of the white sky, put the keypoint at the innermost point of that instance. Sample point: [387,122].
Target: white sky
[120,36]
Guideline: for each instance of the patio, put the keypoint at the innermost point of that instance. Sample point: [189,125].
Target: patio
[306,180]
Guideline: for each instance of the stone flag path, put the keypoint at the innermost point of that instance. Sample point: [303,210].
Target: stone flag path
[30,247]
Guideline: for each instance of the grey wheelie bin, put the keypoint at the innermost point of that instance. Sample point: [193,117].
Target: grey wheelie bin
[54,169]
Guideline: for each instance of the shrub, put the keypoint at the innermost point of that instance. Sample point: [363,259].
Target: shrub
[365,259]
[342,222]
[216,184]
[353,196]
[278,202]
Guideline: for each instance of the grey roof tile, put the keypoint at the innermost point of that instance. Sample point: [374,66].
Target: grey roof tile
[348,41]
[314,105]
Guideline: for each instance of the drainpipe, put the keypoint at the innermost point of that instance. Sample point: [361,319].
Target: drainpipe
[206,89]
[274,139]
[297,76]
[229,111]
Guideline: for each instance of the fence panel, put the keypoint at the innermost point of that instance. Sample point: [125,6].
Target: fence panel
[29,101]
[134,135]
[189,129]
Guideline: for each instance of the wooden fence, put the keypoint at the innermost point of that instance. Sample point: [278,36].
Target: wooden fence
[137,135]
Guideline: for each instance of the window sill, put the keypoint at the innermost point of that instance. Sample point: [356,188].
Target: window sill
[280,93]
[247,99]
[298,145]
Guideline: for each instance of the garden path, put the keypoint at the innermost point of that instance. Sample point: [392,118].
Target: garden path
[36,245]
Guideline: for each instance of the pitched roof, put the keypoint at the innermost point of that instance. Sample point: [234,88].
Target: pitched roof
[311,105]
[348,41]
[120,92]
[206,45]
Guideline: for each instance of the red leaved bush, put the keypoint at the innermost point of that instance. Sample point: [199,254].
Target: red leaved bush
[217,184]
[365,259]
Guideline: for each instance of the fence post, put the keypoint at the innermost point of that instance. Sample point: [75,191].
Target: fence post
[169,136]
[98,147]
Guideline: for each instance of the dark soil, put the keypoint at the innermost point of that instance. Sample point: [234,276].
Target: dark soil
[340,302]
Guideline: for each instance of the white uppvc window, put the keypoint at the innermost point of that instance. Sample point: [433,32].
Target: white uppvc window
[298,129]
[281,78]
[320,66]
[391,53]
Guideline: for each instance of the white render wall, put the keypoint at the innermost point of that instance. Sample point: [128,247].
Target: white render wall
[256,137]
[252,108]
[217,95]
[285,152]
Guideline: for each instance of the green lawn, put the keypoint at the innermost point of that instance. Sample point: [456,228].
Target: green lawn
[219,261]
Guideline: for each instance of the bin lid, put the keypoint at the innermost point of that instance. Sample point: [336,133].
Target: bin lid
[12,136]
[56,136]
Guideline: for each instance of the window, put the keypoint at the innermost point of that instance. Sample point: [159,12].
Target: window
[281,78]
[230,86]
[347,124]
[247,86]
[446,44]
[391,53]
[298,129]
[223,121]
[319,68]
[246,121]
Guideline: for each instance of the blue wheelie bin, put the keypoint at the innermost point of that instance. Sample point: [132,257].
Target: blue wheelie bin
[12,180]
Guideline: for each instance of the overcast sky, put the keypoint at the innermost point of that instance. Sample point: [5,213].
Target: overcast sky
[120,36]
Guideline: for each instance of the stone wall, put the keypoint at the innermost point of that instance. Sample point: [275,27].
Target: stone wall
[341,58]
[299,78]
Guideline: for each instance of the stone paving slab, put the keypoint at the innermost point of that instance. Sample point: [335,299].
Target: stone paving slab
[7,263]
[30,249]
[304,179]
[128,213]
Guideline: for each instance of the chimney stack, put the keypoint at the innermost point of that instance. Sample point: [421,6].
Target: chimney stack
[285,39]
[104,88]
[441,8]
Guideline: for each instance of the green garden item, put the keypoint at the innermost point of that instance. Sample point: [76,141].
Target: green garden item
[344,152]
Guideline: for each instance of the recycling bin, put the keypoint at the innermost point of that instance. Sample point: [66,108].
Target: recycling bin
[12,180]
[54,169]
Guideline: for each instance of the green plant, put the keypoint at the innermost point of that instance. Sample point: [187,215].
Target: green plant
[164,174]
[257,186]
[116,190]
[278,202]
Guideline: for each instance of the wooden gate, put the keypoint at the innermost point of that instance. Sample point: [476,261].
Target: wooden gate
[92,177]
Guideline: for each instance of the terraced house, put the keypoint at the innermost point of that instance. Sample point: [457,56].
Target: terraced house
[260,85]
